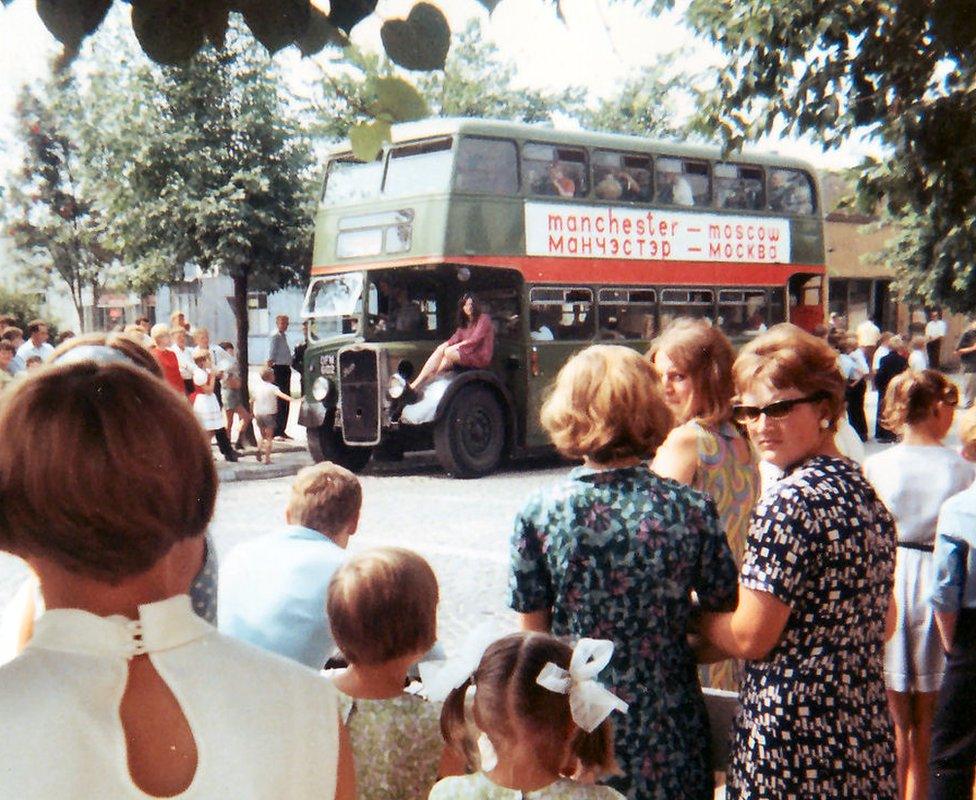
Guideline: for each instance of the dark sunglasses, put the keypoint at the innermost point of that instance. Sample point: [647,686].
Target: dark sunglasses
[776,410]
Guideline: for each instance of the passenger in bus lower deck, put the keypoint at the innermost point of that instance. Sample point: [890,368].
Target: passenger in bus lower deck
[471,345]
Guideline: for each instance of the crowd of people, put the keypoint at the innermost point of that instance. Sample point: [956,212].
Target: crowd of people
[712,520]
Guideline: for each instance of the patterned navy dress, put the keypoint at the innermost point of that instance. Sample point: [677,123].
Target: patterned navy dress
[814,721]
[615,554]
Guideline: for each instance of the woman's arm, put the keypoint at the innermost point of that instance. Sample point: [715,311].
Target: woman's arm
[535,621]
[677,457]
[752,630]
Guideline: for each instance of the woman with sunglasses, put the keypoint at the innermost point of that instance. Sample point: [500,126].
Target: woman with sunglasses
[814,591]
[913,479]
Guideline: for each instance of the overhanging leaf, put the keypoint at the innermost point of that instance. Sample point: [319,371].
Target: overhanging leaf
[420,41]
[399,100]
[276,24]
[169,31]
[72,20]
[319,33]
[367,139]
[346,14]
[489,4]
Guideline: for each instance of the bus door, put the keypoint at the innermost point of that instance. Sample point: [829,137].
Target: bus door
[806,300]
[562,321]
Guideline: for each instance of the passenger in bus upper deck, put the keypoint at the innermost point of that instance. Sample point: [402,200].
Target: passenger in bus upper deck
[471,345]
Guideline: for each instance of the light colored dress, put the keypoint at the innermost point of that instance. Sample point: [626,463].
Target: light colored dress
[913,481]
[479,787]
[205,406]
[265,728]
[396,744]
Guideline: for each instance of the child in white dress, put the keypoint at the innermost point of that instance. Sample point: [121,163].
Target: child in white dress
[383,610]
[205,404]
[543,722]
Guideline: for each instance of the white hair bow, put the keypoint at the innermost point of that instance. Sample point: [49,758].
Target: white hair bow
[589,702]
[441,677]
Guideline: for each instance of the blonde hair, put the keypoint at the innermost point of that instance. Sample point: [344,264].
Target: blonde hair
[911,397]
[606,404]
[382,605]
[199,355]
[159,329]
[790,358]
[325,497]
[967,434]
[704,353]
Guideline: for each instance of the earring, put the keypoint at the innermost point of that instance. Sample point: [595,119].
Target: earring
[486,753]
[824,424]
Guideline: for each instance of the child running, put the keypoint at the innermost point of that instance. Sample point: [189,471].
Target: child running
[266,396]
[383,610]
[543,719]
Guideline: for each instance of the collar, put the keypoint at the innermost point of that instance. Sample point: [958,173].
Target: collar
[301,533]
[591,473]
[161,626]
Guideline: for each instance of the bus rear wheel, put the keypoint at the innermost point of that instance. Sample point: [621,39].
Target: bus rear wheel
[325,444]
[470,437]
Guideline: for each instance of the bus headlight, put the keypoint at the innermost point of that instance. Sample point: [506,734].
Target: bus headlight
[321,388]
[396,387]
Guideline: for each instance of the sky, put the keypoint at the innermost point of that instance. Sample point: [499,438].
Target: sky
[597,47]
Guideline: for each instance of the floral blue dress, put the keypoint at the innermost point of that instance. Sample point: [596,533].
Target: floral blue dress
[614,555]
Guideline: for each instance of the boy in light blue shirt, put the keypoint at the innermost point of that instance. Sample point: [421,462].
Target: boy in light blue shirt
[273,589]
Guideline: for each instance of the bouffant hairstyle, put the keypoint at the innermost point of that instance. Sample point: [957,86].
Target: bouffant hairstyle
[606,404]
[911,397]
[510,706]
[103,468]
[701,351]
[462,317]
[325,497]
[382,605]
[121,343]
[788,357]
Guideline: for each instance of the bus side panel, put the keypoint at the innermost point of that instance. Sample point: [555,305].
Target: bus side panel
[807,244]
[485,225]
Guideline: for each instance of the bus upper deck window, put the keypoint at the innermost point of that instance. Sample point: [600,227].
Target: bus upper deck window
[486,166]
[738,186]
[681,182]
[618,176]
[791,192]
[350,181]
[418,168]
[555,171]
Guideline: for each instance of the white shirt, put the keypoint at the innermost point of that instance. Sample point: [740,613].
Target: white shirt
[183,359]
[265,727]
[28,350]
[936,329]
[880,353]
[868,334]
[918,360]
[265,398]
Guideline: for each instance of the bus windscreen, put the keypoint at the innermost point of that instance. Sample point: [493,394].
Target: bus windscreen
[348,181]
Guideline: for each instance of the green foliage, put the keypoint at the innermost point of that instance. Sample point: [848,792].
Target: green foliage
[643,106]
[22,306]
[901,71]
[419,42]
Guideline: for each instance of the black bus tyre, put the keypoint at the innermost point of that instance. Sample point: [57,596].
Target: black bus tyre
[470,437]
[325,444]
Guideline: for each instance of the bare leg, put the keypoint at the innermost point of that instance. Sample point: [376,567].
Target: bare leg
[923,711]
[899,704]
[431,368]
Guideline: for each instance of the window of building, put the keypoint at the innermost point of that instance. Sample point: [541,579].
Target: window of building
[742,312]
[258,320]
[488,166]
[619,176]
[554,171]
[696,303]
[681,182]
[791,192]
[561,314]
[627,314]
[419,168]
[738,186]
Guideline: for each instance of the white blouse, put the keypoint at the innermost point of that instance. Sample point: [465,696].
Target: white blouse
[264,726]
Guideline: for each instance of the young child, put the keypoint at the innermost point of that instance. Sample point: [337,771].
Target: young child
[952,759]
[531,742]
[205,404]
[266,396]
[32,363]
[383,610]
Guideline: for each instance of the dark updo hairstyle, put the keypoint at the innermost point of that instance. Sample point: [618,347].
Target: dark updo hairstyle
[911,397]
[508,703]
[463,321]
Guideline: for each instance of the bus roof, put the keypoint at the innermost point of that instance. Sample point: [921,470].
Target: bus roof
[449,126]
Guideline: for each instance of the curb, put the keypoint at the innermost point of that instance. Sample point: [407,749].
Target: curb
[290,457]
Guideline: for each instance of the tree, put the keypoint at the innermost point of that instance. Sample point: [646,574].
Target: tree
[50,212]
[214,170]
[644,106]
[901,71]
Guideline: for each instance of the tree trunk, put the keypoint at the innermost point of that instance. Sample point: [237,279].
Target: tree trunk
[240,316]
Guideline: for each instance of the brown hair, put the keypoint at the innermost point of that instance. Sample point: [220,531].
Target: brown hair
[705,354]
[462,318]
[7,347]
[102,469]
[11,333]
[325,497]
[267,374]
[911,397]
[606,404]
[382,605]
[120,342]
[790,358]
[35,325]
[509,705]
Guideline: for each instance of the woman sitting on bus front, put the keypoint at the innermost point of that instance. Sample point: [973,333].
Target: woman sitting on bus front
[471,345]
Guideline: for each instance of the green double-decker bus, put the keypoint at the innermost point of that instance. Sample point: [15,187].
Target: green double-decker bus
[567,238]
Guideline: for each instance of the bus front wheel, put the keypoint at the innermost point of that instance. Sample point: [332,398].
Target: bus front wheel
[325,444]
[470,437]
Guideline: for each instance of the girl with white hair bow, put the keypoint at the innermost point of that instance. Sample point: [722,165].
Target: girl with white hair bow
[541,720]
